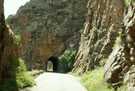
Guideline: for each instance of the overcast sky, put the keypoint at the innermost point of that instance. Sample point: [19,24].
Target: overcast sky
[11,6]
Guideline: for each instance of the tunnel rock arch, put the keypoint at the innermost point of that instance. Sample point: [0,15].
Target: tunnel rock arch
[55,61]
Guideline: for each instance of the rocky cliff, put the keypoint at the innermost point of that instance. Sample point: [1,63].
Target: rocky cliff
[103,22]
[48,27]
[8,52]
[120,67]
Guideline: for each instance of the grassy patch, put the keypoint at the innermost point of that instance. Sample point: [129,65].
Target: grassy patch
[94,81]
[19,77]
[127,2]
[23,78]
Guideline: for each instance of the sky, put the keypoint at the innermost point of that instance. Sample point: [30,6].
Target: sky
[11,6]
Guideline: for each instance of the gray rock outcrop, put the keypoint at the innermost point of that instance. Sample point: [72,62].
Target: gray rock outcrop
[47,28]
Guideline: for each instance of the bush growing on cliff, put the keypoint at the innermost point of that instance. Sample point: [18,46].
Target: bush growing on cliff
[17,39]
[20,78]
[23,78]
[127,2]
[67,60]
[94,81]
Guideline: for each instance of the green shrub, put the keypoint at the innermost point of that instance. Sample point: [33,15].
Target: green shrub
[17,39]
[19,77]
[94,81]
[67,60]
[127,2]
[23,78]
[9,85]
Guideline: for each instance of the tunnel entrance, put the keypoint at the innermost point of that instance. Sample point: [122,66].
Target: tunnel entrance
[52,64]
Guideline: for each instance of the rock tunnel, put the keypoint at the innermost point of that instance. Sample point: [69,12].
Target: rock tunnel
[52,63]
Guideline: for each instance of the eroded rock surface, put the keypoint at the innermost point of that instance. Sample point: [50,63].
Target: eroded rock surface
[120,67]
[102,25]
[48,27]
[8,53]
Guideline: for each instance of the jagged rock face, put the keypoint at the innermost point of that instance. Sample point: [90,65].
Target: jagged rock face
[101,28]
[48,27]
[8,52]
[120,68]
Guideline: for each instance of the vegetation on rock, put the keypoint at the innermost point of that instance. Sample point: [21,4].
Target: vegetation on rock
[94,81]
[47,28]
[50,28]
[22,77]
[13,74]
[67,60]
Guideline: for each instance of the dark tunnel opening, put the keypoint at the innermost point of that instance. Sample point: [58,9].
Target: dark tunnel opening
[55,61]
